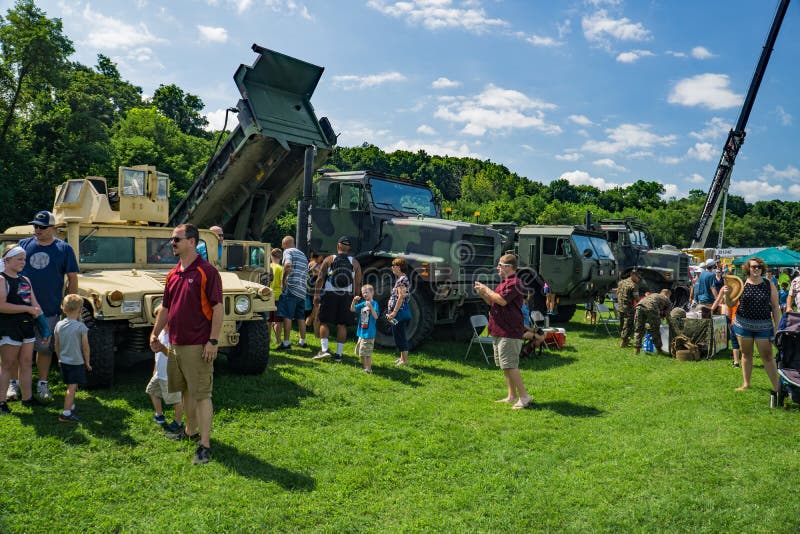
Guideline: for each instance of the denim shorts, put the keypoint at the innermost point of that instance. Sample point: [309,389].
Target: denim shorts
[752,334]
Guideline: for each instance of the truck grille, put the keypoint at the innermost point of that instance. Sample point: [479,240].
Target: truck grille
[475,253]
[683,274]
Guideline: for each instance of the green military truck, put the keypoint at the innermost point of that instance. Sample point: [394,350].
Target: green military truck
[124,255]
[577,264]
[387,217]
[659,268]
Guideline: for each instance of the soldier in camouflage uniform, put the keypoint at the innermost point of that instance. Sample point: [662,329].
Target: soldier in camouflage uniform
[648,315]
[627,295]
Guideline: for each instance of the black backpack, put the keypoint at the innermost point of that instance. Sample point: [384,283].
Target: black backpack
[340,272]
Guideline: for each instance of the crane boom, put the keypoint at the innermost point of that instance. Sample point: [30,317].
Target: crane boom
[722,176]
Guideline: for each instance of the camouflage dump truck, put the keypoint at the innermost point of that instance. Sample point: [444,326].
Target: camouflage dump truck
[577,264]
[387,217]
[660,268]
[124,260]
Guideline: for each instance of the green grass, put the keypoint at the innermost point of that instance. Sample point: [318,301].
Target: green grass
[616,442]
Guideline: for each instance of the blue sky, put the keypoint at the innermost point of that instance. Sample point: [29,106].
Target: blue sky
[600,92]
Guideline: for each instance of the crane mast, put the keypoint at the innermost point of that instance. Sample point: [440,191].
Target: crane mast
[722,176]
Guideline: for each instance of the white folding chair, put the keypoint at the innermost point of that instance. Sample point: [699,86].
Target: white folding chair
[607,318]
[539,320]
[479,322]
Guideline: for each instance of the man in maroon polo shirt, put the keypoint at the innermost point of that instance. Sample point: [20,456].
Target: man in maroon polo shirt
[192,309]
[507,328]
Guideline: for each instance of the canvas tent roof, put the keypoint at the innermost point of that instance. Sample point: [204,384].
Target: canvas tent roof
[774,257]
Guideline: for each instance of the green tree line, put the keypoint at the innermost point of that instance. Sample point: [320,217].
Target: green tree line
[60,119]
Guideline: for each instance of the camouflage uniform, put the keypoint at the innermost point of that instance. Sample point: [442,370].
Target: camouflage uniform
[648,314]
[627,293]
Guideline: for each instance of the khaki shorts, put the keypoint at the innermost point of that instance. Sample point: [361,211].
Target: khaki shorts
[364,347]
[187,371]
[506,352]
[159,388]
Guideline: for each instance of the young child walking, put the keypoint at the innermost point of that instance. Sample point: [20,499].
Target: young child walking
[158,390]
[72,346]
[367,310]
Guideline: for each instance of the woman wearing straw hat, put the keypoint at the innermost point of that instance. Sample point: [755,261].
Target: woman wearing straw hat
[756,319]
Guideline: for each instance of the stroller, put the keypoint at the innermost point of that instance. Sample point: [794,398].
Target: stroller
[787,340]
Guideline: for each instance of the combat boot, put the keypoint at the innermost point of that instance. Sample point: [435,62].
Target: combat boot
[624,344]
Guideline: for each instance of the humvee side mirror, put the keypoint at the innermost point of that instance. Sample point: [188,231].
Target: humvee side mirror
[587,253]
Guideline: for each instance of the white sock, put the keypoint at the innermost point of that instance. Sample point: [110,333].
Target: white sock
[286,343]
[12,381]
[301,340]
[323,344]
[67,412]
[339,348]
[73,406]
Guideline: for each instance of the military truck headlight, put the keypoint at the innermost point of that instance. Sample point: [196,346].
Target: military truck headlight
[241,304]
[265,293]
[115,298]
[156,304]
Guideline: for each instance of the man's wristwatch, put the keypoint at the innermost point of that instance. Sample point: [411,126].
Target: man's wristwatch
[213,341]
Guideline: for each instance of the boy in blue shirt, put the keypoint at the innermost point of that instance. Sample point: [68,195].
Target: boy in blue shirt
[367,310]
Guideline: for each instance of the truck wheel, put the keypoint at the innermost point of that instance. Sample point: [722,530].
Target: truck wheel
[251,355]
[565,313]
[101,349]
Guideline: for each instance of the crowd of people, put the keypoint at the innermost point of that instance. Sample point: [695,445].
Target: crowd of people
[319,294]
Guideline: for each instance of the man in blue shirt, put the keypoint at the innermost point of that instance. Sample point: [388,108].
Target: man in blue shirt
[705,292]
[49,260]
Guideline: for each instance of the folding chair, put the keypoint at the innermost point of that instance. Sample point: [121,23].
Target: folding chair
[607,318]
[479,322]
[539,320]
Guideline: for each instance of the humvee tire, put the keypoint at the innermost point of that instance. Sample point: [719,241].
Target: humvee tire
[251,355]
[564,314]
[101,355]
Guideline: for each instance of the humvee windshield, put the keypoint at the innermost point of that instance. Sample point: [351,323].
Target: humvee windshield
[95,249]
[599,247]
[403,197]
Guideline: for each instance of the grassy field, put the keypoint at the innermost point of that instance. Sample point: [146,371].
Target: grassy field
[616,442]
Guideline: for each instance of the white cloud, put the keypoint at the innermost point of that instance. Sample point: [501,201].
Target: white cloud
[448,148]
[610,163]
[582,120]
[216,119]
[598,27]
[444,83]
[701,52]
[672,190]
[670,160]
[709,90]
[425,129]
[352,81]
[497,109]
[354,133]
[771,173]
[569,156]
[538,40]
[639,154]
[242,5]
[107,33]
[716,128]
[212,34]
[696,179]
[584,178]
[702,151]
[633,55]
[794,191]
[675,54]
[279,6]
[785,118]
[438,14]
[628,137]
[598,3]
[755,190]
[564,28]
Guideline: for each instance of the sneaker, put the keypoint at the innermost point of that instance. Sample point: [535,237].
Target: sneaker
[321,355]
[283,347]
[30,403]
[13,391]
[181,435]
[4,409]
[338,358]
[368,371]
[174,427]
[43,392]
[160,419]
[736,364]
[202,455]
[303,345]
[71,418]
